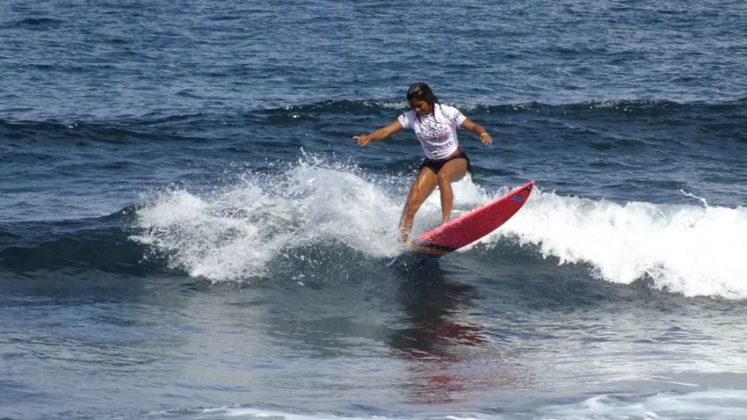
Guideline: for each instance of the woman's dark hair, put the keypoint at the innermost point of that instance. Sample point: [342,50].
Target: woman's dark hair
[423,92]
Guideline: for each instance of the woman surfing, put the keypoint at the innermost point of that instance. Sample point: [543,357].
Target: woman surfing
[435,126]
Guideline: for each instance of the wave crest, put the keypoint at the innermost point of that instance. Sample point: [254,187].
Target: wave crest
[245,230]
[686,249]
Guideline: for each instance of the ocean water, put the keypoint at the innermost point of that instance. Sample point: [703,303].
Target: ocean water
[188,230]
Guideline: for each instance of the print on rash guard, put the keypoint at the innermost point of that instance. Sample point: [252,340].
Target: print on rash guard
[436,132]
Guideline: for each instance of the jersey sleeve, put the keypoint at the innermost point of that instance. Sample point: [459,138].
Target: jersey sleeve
[455,115]
[406,119]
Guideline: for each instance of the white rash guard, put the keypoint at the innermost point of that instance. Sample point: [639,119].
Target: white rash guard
[437,131]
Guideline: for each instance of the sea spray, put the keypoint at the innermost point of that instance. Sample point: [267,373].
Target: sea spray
[685,249]
[234,232]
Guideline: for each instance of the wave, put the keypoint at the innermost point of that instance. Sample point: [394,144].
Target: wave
[249,229]
[694,250]
[130,128]
[34,23]
[708,404]
[241,231]
[99,243]
[118,131]
[732,110]
[314,218]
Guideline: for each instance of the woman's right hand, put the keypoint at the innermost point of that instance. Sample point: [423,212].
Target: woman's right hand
[362,139]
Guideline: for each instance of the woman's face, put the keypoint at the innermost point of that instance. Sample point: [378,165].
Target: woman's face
[421,107]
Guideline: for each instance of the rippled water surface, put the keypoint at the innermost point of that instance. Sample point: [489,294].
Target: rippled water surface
[188,231]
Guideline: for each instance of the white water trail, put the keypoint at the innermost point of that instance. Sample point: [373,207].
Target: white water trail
[236,232]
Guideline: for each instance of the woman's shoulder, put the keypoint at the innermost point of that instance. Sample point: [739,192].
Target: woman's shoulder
[410,113]
[452,113]
[407,118]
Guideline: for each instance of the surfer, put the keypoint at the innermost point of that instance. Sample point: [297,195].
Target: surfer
[445,162]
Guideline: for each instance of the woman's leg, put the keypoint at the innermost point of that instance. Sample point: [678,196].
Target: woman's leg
[421,188]
[452,171]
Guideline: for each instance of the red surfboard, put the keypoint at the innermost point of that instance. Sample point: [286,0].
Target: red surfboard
[469,227]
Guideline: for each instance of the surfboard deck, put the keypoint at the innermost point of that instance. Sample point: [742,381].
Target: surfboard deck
[464,229]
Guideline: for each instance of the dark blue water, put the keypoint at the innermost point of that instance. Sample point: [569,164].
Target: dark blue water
[188,231]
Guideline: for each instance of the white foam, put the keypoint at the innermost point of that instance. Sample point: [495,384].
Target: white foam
[706,404]
[235,232]
[693,250]
[279,414]
[711,404]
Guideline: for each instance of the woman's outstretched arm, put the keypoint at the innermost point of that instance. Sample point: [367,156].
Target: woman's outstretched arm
[378,134]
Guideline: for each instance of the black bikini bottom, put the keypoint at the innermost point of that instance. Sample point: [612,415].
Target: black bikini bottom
[436,165]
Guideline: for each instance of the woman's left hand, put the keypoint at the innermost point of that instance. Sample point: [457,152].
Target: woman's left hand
[485,138]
